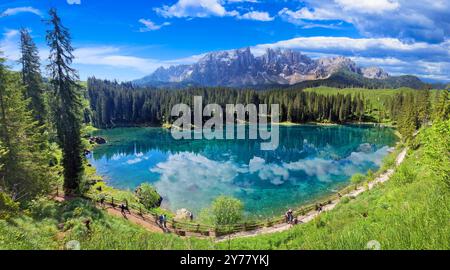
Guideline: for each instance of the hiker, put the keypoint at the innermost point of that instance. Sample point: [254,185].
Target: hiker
[87,222]
[102,201]
[191,216]
[161,220]
[289,216]
[319,207]
[165,221]
[127,209]
[122,209]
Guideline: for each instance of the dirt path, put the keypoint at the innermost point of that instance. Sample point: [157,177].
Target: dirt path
[146,221]
[313,214]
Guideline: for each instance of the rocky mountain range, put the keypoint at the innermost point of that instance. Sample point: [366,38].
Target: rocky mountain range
[240,68]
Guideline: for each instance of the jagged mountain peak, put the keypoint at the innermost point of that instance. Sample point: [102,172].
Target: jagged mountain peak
[241,67]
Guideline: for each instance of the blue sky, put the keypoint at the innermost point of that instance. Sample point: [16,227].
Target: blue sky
[126,40]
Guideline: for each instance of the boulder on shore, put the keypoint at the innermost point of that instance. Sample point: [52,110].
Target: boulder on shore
[182,214]
[97,140]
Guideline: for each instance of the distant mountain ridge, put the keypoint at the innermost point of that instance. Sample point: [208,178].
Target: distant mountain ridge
[240,68]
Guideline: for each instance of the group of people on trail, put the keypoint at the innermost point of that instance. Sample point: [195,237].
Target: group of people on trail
[124,207]
[162,219]
[290,219]
[319,207]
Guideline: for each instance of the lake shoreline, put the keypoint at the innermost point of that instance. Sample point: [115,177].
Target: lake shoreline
[331,191]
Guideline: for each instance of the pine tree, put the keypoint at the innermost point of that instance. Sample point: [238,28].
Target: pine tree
[68,105]
[423,106]
[31,76]
[442,107]
[25,171]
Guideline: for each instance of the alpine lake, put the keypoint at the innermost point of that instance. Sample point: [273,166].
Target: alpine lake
[311,161]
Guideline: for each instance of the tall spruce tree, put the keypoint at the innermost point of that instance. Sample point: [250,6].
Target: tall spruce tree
[68,101]
[31,76]
[442,106]
[25,171]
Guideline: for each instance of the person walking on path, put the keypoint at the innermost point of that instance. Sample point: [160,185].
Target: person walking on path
[161,220]
[165,221]
[289,216]
[123,207]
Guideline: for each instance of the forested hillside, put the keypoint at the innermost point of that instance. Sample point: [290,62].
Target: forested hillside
[121,104]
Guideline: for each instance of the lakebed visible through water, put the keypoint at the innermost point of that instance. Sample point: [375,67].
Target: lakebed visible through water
[310,162]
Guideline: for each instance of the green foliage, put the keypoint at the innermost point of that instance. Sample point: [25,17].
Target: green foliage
[442,107]
[25,170]
[227,210]
[115,104]
[7,206]
[31,76]
[148,196]
[357,178]
[67,101]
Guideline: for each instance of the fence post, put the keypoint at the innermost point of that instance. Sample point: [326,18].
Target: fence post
[112,202]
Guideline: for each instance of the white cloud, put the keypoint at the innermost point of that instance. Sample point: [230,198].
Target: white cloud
[208,8]
[242,1]
[325,169]
[256,16]
[204,180]
[380,47]
[14,11]
[368,6]
[426,20]
[319,14]
[74,2]
[274,173]
[9,44]
[134,161]
[113,57]
[151,26]
[193,8]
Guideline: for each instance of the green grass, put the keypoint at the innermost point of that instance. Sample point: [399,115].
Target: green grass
[410,211]
[50,225]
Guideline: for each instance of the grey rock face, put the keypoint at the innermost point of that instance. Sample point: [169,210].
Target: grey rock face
[241,68]
[374,73]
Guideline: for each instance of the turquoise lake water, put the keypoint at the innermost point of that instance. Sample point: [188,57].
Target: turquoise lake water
[311,161]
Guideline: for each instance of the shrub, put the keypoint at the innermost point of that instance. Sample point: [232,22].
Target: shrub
[357,178]
[8,207]
[148,196]
[227,210]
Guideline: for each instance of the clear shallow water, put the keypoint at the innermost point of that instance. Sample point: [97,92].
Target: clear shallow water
[310,162]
